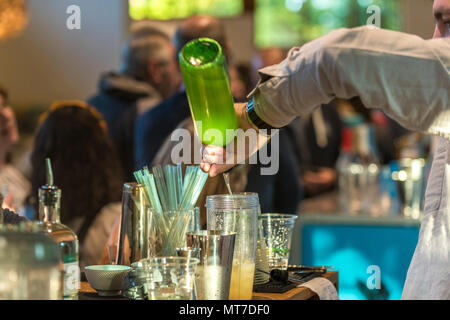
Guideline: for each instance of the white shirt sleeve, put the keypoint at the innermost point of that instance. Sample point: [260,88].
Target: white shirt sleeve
[405,75]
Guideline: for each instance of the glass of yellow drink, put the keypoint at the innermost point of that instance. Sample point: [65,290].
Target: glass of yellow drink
[237,213]
[241,286]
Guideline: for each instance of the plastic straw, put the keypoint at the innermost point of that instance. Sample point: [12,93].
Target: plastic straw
[170,187]
[189,184]
[194,189]
[179,183]
[199,184]
[139,175]
[49,172]
[162,186]
[154,194]
[187,178]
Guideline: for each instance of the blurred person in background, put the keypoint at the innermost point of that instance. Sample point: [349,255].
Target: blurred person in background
[85,167]
[317,141]
[405,75]
[244,85]
[13,185]
[148,74]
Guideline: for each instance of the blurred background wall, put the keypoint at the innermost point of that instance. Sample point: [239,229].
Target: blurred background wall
[47,61]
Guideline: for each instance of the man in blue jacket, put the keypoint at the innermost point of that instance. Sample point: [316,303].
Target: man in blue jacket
[149,74]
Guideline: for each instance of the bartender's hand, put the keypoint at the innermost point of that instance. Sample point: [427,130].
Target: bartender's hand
[214,159]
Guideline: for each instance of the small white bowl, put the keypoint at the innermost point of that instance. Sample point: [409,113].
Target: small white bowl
[106,279]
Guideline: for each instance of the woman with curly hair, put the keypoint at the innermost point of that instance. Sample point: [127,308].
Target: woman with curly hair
[85,167]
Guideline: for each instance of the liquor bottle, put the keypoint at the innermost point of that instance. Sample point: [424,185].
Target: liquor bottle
[368,154]
[208,89]
[367,149]
[343,166]
[67,240]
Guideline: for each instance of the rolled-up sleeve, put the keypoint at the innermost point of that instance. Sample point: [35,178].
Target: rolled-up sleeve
[405,75]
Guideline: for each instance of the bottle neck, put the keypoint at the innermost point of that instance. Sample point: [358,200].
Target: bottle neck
[49,204]
[49,213]
[346,140]
[367,146]
[1,209]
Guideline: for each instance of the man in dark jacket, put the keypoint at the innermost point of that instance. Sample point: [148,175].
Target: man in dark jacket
[154,126]
[149,74]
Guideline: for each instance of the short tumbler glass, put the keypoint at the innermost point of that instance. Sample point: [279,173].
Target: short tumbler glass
[170,278]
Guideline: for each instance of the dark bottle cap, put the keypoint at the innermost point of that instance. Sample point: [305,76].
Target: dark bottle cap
[49,195]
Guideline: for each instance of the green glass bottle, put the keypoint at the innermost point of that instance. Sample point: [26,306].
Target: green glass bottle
[207,84]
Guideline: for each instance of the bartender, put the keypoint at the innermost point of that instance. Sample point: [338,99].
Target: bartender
[405,75]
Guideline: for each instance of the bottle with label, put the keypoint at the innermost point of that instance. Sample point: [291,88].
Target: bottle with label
[67,240]
[358,166]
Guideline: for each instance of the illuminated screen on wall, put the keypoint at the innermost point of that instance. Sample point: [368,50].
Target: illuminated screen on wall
[179,9]
[357,251]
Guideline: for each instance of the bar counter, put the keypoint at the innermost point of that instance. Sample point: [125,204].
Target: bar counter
[300,293]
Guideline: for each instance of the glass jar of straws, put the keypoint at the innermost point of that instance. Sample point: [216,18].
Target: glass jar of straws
[170,210]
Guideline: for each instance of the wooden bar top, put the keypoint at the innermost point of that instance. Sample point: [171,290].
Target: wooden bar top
[301,293]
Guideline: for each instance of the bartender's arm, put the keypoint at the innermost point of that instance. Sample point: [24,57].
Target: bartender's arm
[407,76]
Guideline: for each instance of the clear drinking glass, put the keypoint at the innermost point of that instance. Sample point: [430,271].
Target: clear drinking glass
[216,250]
[167,230]
[411,180]
[133,236]
[261,264]
[237,213]
[170,278]
[278,230]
